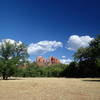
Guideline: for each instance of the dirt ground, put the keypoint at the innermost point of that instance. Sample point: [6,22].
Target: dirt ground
[50,89]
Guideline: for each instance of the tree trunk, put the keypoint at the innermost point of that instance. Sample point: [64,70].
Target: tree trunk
[5,77]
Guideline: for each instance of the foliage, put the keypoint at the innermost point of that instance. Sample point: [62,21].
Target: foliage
[11,55]
[89,59]
[71,70]
[47,71]
[86,64]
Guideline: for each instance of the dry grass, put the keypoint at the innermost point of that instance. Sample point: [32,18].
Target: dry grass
[50,89]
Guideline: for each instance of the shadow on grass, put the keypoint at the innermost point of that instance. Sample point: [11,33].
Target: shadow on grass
[92,80]
[13,79]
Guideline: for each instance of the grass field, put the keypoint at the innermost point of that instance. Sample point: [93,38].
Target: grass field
[50,89]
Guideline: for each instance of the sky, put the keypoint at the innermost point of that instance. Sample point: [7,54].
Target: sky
[50,27]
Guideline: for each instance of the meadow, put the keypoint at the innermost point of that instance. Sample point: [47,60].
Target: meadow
[50,89]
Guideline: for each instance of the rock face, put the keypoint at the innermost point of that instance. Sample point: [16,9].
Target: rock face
[53,60]
[47,62]
[41,61]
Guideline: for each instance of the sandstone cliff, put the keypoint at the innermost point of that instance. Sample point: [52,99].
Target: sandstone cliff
[41,61]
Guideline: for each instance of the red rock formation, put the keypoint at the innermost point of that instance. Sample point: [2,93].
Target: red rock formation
[40,61]
[53,60]
[50,61]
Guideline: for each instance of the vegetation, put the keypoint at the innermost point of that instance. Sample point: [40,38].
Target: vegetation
[35,71]
[11,56]
[86,64]
[89,59]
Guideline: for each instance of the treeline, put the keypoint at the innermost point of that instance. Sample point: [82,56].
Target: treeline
[86,62]
[44,71]
[59,70]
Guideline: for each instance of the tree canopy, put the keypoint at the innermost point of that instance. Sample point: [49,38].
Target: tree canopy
[12,54]
[89,58]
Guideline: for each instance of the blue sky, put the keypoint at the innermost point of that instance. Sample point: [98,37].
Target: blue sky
[32,21]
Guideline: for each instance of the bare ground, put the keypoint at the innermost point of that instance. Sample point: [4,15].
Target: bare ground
[50,89]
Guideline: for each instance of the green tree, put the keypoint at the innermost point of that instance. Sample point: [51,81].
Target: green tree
[89,58]
[12,54]
[92,52]
[95,47]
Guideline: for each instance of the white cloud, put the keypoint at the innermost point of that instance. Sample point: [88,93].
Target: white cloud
[74,42]
[63,56]
[19,43]
[43,47]
[65,61]
[10,41]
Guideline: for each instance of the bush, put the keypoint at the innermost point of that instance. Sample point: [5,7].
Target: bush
[35,71]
